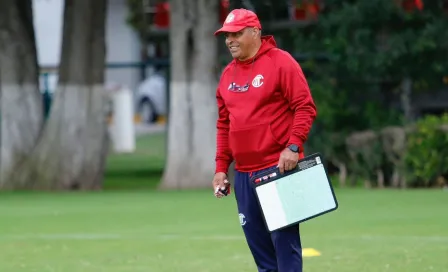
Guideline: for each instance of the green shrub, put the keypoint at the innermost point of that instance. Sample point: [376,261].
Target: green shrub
[426,157]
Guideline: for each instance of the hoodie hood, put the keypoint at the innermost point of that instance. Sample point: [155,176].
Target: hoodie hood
[267,43]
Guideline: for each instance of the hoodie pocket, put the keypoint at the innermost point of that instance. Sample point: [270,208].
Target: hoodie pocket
[253,145]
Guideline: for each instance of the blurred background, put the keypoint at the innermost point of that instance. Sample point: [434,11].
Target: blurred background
[97,100]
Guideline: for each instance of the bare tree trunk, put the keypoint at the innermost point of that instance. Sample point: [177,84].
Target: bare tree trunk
[396,178]
[191,125]
[367,184]
[406,93]
[380,178]
[21,107]
[72,152]
[403,182]
[342,174]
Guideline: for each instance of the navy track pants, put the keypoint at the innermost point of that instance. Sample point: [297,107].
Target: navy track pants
[280,251]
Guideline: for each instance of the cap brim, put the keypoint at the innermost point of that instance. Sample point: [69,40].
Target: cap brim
[229,29]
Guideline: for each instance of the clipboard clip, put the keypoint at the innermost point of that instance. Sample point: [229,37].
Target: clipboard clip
[270,173]
[265,177]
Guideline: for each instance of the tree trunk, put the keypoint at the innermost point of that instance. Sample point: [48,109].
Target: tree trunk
[380,178]
[403,182]
[73,149]
[396,178]
[21,106]
[367,184]
[406,102]
[342,174]
[192,121]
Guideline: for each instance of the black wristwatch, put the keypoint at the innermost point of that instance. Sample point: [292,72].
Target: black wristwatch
[294,148]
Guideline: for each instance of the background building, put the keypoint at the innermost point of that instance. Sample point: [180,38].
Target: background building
[123,44]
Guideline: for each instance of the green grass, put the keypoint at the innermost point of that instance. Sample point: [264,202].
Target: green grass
[140,229]
[139,170]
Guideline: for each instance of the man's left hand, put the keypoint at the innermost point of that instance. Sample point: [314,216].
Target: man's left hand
[288,160]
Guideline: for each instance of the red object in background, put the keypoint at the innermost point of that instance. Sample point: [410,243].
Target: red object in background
[299,13]
[162,16]
[313,9]
[223,10]
[419,4]
[411,5]
[305,9]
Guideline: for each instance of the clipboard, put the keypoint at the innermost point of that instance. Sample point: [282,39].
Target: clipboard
[296,196]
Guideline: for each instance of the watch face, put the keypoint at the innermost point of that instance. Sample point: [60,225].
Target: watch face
[294,148]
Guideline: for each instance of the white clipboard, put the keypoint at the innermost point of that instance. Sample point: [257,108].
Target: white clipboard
[296,196]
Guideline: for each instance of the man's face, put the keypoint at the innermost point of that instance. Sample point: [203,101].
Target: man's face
[240,43]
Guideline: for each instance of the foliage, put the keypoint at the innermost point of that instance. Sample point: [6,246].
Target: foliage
[414,156]
[339,115]
[427,151]
[331,123]
[372,46]
[136,16]
[377,40]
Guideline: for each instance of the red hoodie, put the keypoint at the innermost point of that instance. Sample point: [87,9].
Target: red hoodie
[255,126]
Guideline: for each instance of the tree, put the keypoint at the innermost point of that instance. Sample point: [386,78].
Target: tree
[380,54]
[72,150]
[192,122]
[379,41]
[21,105]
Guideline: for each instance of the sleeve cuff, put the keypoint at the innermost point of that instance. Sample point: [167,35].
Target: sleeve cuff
[222,166]
[297,141]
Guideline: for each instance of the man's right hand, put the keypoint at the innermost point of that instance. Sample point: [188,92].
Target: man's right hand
[220,182]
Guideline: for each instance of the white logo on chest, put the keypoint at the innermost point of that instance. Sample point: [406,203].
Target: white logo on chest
[257,81]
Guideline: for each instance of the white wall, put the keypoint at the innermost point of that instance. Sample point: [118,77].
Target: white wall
[48,29]
[122,43]
[123,46]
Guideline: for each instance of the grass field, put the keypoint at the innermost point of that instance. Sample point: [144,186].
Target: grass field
[131,227]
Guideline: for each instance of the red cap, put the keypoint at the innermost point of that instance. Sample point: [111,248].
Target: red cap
[238,19]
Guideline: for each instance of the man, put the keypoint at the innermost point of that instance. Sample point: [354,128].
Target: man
[265,114]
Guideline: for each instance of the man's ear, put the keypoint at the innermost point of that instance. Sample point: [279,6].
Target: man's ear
[255,31]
